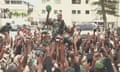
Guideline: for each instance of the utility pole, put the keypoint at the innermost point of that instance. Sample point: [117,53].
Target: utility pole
[28,7]
[48,9]
[104,14]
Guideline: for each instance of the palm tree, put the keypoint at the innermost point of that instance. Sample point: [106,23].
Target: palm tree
[16,14]
[10,14]
[23,14]
[5,11]
[107,7]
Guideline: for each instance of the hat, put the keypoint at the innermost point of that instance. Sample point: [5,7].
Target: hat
[46,43]
[99,64]
[44,31]
[39,53]
[12,68]
[71,70]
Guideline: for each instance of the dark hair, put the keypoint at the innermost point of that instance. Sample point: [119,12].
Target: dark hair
[12,68]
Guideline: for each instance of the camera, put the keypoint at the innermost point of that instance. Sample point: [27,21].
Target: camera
[58,38]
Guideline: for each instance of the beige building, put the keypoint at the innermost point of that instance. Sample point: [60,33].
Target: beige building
[118,19]
[74,11]
[14,10]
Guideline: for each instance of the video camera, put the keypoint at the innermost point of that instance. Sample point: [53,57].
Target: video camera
[58,38]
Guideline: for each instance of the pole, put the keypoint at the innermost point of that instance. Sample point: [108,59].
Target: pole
[104,15]
[48,8]
[47,19]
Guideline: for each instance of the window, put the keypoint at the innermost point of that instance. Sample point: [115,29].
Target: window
[73,2]
[87,12]
[76,1]
[108,0]
[78,11]
[7,1]
[57,1]
[73,11]
[13,2]
[19,2]
[44,1]
[60,11]
[16,2]
[87,1]
[55,11]
[43,11]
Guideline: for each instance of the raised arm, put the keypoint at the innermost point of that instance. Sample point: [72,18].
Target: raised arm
[62,56]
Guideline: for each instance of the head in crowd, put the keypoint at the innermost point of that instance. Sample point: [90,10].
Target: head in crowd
[59,16]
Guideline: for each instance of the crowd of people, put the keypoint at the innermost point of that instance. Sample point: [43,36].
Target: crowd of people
[59,50]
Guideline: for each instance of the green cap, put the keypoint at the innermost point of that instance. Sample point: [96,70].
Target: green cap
[44,31]
[46,43]
[71,70]
[39,53]
[99,64]
[33,60]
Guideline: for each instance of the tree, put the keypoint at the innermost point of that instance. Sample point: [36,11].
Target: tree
[10,14]
[6,11]
[16,14]
[23,14]
[107,7]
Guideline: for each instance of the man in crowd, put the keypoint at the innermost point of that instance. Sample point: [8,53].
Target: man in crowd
[59,25]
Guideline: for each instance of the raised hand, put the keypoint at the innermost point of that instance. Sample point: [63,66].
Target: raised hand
[75,46]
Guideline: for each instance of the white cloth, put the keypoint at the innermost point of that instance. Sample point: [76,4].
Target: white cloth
[2,35]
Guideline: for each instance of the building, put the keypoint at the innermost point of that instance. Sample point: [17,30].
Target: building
[14,10]
[74,11]
[118,19]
